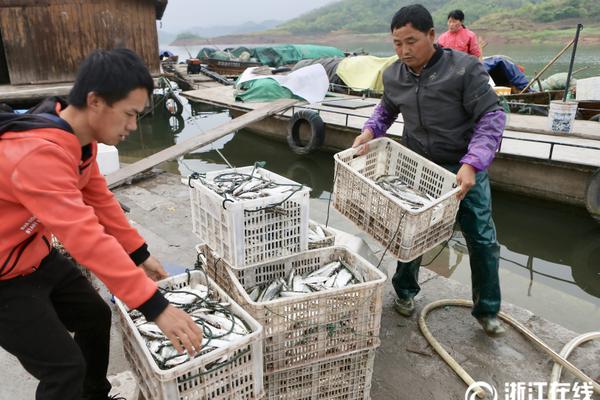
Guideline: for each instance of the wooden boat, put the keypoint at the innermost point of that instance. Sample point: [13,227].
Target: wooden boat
[229,67]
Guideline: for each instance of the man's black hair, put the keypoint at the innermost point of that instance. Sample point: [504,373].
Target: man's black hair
[112,75]
[457,15]
[416,15]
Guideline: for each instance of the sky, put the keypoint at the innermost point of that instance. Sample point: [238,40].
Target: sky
[183,14]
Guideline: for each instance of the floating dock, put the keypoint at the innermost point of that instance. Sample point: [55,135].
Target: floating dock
[532,160]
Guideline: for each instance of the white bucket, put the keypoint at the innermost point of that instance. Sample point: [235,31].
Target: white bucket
[561,115]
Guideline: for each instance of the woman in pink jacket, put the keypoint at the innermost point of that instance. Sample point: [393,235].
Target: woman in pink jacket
[458,37]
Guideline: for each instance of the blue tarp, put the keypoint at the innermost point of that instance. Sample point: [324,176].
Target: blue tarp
[166,53]
[504,72]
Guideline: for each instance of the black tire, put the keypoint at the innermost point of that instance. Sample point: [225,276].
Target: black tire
[595,118]
[592,195]
[317,131]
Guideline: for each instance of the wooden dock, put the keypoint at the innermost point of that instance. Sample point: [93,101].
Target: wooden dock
[27,95]
[532,160]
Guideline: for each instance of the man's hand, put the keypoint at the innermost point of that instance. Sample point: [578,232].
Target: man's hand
[154,269]
[361,141]
[180,329]
[466,179]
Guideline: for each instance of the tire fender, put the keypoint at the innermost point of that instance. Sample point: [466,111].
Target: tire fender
[317,131]
[592,195]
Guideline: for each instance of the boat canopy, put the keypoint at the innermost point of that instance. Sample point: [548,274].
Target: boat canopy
[364,72]
[504,72]
[273,56]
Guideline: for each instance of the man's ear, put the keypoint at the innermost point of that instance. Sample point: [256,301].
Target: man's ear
[93,101]
[431,34]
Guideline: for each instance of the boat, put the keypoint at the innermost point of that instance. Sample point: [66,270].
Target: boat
[233,61]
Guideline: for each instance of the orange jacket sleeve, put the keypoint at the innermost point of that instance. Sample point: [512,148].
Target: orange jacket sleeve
[46,182]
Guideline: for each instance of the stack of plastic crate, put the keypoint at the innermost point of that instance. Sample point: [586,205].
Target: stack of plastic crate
[317,345]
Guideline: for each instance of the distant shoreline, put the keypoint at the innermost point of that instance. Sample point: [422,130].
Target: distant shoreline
[340,38]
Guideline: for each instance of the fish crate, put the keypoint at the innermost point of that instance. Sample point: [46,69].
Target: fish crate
[250,231]
[408,233]
[304,329]
[346,377]
[240,377]
[327,241]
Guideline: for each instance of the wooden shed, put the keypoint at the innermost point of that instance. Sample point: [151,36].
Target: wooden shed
[44,41]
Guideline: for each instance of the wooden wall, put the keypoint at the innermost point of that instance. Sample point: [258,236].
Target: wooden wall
[46,40]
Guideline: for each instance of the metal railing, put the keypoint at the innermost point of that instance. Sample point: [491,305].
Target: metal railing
[552,144]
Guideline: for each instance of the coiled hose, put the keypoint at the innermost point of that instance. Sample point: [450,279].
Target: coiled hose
[561,360]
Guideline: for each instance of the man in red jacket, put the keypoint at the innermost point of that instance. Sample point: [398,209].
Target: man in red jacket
[50,184]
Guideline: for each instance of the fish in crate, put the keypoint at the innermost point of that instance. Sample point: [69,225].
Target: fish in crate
[229,363]
[312,305]
[249,214]
[220,326]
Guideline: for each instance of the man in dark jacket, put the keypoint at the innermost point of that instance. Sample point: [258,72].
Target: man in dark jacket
[453,118]
[50,184]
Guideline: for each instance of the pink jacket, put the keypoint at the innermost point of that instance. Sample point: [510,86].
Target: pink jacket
[462,40]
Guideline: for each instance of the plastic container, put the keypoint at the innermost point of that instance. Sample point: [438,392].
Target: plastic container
[244,236]
[346,377]
[313,327]
[561,116]
[107,159]
[328,241]
[242,378]
[411,232]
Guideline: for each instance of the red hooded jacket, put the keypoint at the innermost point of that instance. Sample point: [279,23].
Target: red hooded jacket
[50,184]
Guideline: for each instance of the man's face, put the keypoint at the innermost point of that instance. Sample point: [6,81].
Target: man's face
[454,24]
[113,123]
[413,47]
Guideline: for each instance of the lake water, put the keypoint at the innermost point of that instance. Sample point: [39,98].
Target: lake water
[550,252]
[533,57]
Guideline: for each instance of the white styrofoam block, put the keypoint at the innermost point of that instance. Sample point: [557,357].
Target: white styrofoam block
[588,88]
[108,159]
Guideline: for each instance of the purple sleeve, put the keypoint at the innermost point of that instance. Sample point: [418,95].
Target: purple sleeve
[485,140]
[381,120]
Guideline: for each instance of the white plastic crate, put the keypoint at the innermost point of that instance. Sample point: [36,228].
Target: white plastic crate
[244,236]
[346,377]
[240,378]
[328,241]
[411,232]
[304,329]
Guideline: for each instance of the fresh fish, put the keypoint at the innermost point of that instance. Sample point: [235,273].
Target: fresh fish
[343,278]
[151,330]
[177,360]
[255,293]
[298,285]
[221,327]
[397,187]
[333,275]
[326,270]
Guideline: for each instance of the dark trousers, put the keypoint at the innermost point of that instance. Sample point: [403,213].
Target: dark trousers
[475,219]
[38,311]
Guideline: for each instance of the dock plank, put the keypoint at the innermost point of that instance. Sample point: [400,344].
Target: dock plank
[126,173]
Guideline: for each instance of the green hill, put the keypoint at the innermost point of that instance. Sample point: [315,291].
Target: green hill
[372,16]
